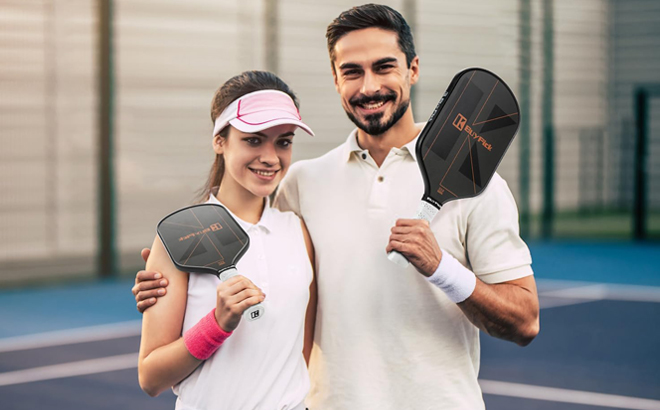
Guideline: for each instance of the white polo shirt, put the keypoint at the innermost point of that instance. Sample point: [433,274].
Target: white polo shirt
[261,365]
[386,338]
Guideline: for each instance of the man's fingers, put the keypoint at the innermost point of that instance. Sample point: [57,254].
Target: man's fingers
[145,253]
[147,275]
[143,305]
[151,284]
[401,229]
[148,294]
[411,222]
[399,246]
[402,237]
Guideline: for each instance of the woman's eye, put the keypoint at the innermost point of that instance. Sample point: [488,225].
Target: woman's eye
[285,143]
[252,141]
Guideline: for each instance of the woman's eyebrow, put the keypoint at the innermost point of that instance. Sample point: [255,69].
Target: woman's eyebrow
[286,134]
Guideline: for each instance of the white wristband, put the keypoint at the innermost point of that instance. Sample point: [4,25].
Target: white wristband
[457,281]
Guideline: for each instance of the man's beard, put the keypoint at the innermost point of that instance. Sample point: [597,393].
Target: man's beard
[373,124]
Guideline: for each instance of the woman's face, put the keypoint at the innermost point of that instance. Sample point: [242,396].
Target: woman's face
[255,162]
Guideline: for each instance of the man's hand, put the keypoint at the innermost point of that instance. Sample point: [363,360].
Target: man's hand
[414,239]
[148,286]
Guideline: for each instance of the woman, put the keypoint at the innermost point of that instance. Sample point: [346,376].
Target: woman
[221,362]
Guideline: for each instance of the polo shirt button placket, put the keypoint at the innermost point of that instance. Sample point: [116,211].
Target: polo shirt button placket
[262,266]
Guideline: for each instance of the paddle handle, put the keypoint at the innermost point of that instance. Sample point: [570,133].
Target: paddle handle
[426,212]
[253,312]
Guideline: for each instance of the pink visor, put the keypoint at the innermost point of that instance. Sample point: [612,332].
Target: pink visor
[259,110]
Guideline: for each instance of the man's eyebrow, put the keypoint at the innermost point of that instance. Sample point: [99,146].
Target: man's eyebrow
[385,60]
[349,65]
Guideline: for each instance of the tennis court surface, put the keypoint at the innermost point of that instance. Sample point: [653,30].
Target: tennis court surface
[75,347]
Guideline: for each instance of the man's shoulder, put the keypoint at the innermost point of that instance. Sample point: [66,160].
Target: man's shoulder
[325,162]
[495,185]
[496,192]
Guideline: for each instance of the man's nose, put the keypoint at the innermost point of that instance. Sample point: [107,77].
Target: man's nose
[370,84]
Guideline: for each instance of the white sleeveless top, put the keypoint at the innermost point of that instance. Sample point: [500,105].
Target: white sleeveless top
[261,365]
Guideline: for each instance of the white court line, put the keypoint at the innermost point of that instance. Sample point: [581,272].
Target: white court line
[71,336]
[526,391]
[549,302]
[59,371]
[602,291]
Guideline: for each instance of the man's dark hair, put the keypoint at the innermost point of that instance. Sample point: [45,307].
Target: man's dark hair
[369,16]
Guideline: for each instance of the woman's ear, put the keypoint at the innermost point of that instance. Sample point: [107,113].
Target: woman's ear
[218,142]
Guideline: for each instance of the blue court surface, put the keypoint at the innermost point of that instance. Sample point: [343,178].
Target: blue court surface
[75,347]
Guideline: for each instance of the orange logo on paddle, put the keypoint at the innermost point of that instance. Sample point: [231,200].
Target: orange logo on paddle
[214,227]
[460,122]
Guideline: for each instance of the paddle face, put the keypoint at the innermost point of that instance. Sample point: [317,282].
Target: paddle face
[203,238]
[466,137]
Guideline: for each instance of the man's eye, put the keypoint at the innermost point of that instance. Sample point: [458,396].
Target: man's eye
[384,67]
[351,73]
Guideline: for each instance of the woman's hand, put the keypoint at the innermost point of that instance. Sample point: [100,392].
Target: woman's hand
[235,295]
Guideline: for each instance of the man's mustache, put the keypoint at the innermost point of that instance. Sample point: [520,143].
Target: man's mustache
[376,98]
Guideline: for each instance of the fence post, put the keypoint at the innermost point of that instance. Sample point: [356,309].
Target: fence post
[272,41]
[640,209]
[548,121]
[524,136]
[107,252]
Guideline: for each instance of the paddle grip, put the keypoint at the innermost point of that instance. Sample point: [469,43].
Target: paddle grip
[253,312]
[426,212]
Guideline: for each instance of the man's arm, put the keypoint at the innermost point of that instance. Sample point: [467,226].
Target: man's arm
[507,310]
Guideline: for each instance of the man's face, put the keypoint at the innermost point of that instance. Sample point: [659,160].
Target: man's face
[373,78]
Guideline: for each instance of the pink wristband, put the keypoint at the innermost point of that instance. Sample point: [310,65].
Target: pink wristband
[203,339]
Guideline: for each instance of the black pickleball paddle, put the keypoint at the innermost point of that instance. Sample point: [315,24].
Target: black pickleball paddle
[206,239]
[464,141]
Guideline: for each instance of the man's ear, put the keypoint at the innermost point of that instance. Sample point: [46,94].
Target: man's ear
[334,76]
[218,142]
[414,70]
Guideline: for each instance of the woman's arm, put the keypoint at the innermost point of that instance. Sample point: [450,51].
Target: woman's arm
[310,316]
[164,359]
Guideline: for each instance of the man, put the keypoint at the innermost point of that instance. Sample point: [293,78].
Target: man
[388,338]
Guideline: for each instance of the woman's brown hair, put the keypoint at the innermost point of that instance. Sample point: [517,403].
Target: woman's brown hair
[231,90]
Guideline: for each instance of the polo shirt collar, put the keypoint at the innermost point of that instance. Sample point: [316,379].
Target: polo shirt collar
[352,146]
[266,222]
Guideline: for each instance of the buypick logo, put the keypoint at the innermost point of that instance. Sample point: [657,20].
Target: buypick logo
[460,122]
[214,227]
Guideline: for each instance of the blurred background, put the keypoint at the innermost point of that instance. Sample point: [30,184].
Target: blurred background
[105,128]
[105,124]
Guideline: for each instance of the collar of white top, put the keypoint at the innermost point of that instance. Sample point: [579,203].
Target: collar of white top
[265,222]
[352,145]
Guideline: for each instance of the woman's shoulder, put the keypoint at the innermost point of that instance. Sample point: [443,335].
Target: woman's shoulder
[283,217]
